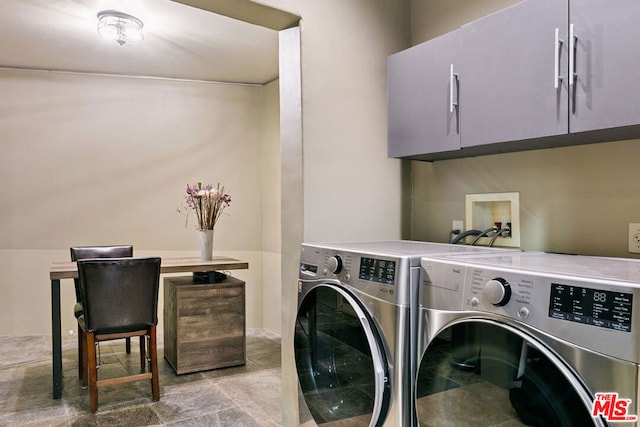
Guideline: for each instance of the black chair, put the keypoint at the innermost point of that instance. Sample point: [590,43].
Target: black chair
[84,252]
[120,299]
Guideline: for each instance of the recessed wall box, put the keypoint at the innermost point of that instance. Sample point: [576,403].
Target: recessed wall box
[487,210]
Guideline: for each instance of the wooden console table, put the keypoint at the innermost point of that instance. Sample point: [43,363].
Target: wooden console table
[69,270]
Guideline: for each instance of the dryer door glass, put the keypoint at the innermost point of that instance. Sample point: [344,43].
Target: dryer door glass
[339,359]
[483,374]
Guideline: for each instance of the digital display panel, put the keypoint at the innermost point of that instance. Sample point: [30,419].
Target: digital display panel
[377,270]
[308,268]
[597,307]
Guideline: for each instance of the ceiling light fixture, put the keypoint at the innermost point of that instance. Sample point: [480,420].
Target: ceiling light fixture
[119,27]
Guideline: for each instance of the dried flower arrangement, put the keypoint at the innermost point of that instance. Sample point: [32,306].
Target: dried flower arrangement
[207,202]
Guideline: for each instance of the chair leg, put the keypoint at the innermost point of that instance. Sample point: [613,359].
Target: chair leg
[127,345]
[153,353]
[143,354]
[93,372]
[84,366]
[80,344]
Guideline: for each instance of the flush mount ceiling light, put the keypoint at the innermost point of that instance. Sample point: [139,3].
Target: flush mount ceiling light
[119,27]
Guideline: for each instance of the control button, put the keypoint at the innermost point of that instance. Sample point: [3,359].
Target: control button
[335,264]
[523,312]
[475,302]
[325,272]
[497,291]
[347,277]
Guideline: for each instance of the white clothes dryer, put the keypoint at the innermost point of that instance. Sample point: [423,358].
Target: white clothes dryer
[556,341]
[355,330]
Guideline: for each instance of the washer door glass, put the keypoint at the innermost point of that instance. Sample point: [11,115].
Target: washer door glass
[339,358]
[481,374]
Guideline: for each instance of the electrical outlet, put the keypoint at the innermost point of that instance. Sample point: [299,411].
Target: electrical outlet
[457,224]
[634,238]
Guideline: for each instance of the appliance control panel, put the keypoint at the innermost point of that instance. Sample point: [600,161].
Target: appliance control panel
[598,307]
[498,292]
[595,314]
[375,275]
[590,314]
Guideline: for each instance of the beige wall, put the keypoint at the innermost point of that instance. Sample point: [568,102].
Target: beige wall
[351,187]
[100,160]
[432,18]
[271,210]
[575,199]
[351,190]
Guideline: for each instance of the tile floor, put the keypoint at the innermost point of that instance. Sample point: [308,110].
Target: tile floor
[341,386]
[244,396]
[454,397]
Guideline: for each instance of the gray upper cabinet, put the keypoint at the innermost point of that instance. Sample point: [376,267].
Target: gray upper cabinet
[606,90]
[502,83]
[509,84]
[421,117]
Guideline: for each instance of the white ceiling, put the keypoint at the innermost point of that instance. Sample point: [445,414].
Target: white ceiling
[179,41]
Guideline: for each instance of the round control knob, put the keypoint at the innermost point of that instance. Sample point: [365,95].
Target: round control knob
[497,291]
[523,312]
[335,264]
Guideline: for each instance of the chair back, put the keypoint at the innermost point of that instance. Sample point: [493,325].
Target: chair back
[84,252]
[119,294]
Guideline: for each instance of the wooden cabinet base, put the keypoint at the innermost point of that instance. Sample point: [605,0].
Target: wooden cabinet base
[204,324]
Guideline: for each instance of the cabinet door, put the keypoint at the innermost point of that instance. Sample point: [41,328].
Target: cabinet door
[419,98]
[509,73]
[607,89]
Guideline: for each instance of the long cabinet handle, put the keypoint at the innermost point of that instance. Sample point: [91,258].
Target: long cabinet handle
[557,51]
[572,55]
[453,77]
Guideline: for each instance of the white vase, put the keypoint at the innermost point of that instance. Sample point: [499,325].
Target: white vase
[206,244]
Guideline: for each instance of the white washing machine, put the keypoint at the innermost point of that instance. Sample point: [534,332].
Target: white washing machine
[354,336]
[552,340]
